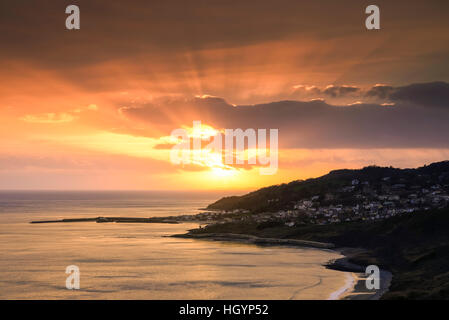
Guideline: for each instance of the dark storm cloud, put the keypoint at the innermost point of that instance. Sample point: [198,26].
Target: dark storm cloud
[433,94]
[315,124]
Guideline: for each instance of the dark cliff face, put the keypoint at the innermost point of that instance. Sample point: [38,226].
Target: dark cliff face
[283,196]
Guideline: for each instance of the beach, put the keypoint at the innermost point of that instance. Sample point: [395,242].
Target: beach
[358,287]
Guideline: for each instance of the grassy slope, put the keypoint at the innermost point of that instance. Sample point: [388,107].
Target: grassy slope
[414,247]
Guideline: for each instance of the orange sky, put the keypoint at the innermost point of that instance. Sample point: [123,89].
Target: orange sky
[89,109]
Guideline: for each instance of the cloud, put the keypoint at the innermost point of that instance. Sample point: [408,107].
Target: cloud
[333,91]
[58,117]
[307,89]
[433,94]
[380,91]
[338,91]
[191,49]
[92,107]
[49,118]
[317,124]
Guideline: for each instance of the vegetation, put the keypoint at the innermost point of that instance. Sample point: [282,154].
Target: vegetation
[281,197]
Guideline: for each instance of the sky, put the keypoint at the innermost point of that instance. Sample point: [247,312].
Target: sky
[94,108]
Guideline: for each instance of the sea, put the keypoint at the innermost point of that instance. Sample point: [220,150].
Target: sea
[140,261]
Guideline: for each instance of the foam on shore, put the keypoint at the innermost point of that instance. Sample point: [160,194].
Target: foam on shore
[349,285]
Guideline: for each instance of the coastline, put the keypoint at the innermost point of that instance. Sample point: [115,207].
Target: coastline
[348,287]
[255,240]
[354,288]
[359,290]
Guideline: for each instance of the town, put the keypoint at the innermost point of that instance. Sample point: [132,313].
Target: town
[357,201]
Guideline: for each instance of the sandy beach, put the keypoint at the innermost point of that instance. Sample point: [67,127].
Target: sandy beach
[358,289]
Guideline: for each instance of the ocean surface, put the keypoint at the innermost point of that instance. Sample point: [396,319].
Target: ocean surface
[137,261]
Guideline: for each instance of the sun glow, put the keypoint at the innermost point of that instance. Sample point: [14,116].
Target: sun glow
[203,131]
[224,173]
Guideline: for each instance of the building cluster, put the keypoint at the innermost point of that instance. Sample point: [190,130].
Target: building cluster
[356,201]
[212,216]
[366,203]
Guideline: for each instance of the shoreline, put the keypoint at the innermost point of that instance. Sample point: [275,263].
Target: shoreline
[349,286]
[359,290]
[354,288]
[255,240]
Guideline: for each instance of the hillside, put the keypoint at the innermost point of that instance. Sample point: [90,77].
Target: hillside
[377,179]
[398,217]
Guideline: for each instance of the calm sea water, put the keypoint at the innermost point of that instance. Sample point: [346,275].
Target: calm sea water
[137,261]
